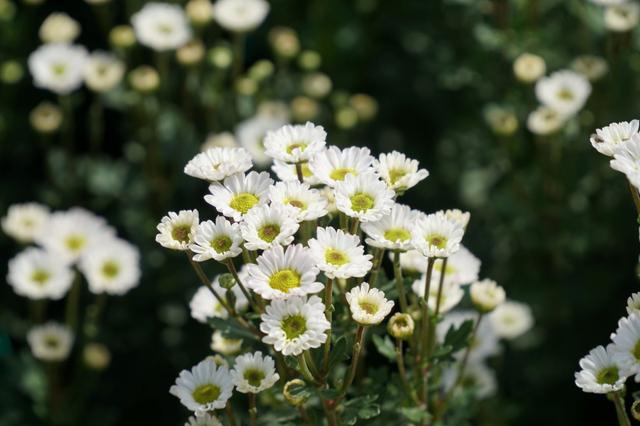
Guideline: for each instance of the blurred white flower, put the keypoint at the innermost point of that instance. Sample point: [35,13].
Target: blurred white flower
[368,306]
[316,85]
[545,121]
[103,71]
[206,387]
[251,133]
[486,295]
[215,164]
[450,295]
[204,304]
[333,164]
[219,140]
[622,17]
[59,27]
[200,12]
[224,345]
[295,143]
[609,139]
[58,67]
[113,267]
[511,319]
[46,117]
[176,230]
[38,274]
[626,159]
[591,66]
[529,67]
[204,420]
[485,342]
[338,254]
[477,376]
[240,16]
[50,342]
[161,26]
[364,197]
[25,222]
[563,91]
[253,373]
[239,193]
[600,373]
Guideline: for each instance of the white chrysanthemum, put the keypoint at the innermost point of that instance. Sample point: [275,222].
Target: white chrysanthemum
[459,216]
[529,67]
[626,344]
[72,233]
[161,26]
[368,306]
[205,420]
[450,295]
[437,236]
[287,172]
[25,222]
[485,343]
[176,230]
[282,273]
[250,134]
[610,139]
[622,17]
[204,304]
[600,373]
[591,66]
[399,171]
[112,267]
[295,143]
[103,71]
[338,254]
[476,376]
[240,16]
[626,159]
[253,373]
[486,295]
[364,197]
[393,231]
[218,163]
[239,193]
[267,226]
[633,304]
[295,324]
[564,91]
[50,342]
[37,274]
[58,67]
[224,345]
[206,387]
[219,240]
[59,28]
[333,164]
[545,121]
[304,202]
[511,319]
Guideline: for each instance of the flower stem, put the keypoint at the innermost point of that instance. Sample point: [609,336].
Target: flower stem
[424,346]
[635,197]
[234,272]
[303,414]
[253,409]
[304,369]
[238,54]
[351,373]
[203,278]
[397,271]
[299,172]
[355,225]
[403,372]
[328,300]
[229,411]
[67,122]
[440,284]
[377,263]
[71,308]
[621,412]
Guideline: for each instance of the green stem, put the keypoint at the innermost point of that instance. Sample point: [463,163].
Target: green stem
[440,284]
[344,221]
[299,172]
[253,409]
[234,272]
[351,373]
[424,396]
[304,369]
[397,271]
[303,415]
[377,264]
[355,225]
[67,122]
[73,299]
[229,411]
[403,372]
[328,311]
[205,281]
[238,54]
[621,412]
[635,197]
[37,310]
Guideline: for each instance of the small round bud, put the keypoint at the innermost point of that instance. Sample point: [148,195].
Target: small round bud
[219,140]
[309,60]
[261,70]
[366,106]
[592,67]
[502,121]
[96,356]
[200,12]
[486,295]
[529,67]
[635,409]
[7,10]
[346,117]
[191,53]
[246,86]
[11,72]
[144,79]
[401,326]
[284,42]
[295,393]
[46,118]
[122,36]
[226,281]
[317,85]
[59,28]
[220,57]
[304,109]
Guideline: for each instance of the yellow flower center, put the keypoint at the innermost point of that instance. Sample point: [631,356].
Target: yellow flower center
[306,171]
[221,244]
[254,376]
[40,276]
[164,28]
[110,269]
[296,145]
[396,174]
[269,232]
[204,394]
[335,257]
[181,233]
[243,202]
[397,234]
[608,375]
[368,307]
[75,242]
[51,341]
[436,240]
[296,203]
[636,350]
[340,173]
[294,326]
[59,69]
[361,202]
[565,94]
[284,280]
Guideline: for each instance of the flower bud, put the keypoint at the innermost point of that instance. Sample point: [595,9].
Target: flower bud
[346,117]
[230,297]
[59,28]
[246,86]
[486,295]
[218,360]
[401,326]
[529,67]
[261,70]
[592,67]
[316,85]
[635,409]
[295,393]
[191,53]
[200,12]
[365,106]
[11,72]
[96,356]
[220,57]
[502,121]
[309,60]
[144,79]
[46,118]
[304,109]
[284,42]
[226,281]
[122,36]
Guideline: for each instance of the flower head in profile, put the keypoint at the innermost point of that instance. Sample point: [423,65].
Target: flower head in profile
[204,304]
[161,26]
[364,197]
[176,230]
[486,295]
[103,71]
[50,342]
[295,143]
[633,304]
[253,373]
[368,306]
[393,231]
[59,27]
[437,236]
[511,319]
[304,202]
[58,67]
[294,325]
[611,138]
[564,91]
[268,225]
[626,159]
[204,420]
[206,387]
[240,16]
[225,345]
[339,254]
[113,267]
[282,273]
[219,240]
[600,373]
[545,121]
[239,193]
[24,222]
[398,171]
[401,326]
[333,164]
[215,164]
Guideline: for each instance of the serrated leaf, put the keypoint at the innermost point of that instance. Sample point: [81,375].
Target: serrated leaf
[458,338]
[338,352]
[384,346]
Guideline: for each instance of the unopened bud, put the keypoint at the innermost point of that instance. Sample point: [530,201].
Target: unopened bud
[144,79]
[295,393]
[401,326]
[226,281]
[96,356]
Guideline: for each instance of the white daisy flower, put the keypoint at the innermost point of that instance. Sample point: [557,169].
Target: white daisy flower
[305,203]
[251,132]
[529,67]
[59,27]
[240,16]
[38,274]
[564,91]
[224,345]
[633,304]
[399,171]
[113,267]
[205,420]
[206,387]
[50,342]
[600,372]
[339,254]
[72,233]
[511,319]
[216,164]
[462,267]
[393,231]
[368,306]
[282,273]
[219,240]
[294,325]
[437,236]
[486,295]
[626,344]
[611,138]
[267,226]
[204,304]
[364,197]
[622,17]
[459,216]
[295,143]
[545,121]
[591,66]
[485,342]
[58,67]
[103,71]
[239,193]
[476,376]
[161,26]
[176,230]
[25,222]
[331,165]
[450,295]
[253,373]
[287,172]
[626,159]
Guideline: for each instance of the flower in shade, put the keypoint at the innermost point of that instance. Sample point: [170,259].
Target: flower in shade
[253,373]
[161,26]
[204,420]
[511,319]
[240,16]
[611,138]
[368,306]
[476,376]
[24,222]
[103,71]
[450,295]
[333,164]
[564,91]
[282,273]
[393,231]
[485,342]
[219,240]
[529,67]
[437,236]
[50,342]
[225,345]
[545,121]
[268,225]
[239,193]
[486,295]
[295,143]
[250,134]
[304,202]
[216,164]
[364,197]
[59,27]
[206,387]
[339,254]
[398,171]
[287,172]
[294,325]
[600,373]
[38,274]
[626,344]
[622,17]
[591,66]
[204,304]
[176,230]
[58,67]
[112,267]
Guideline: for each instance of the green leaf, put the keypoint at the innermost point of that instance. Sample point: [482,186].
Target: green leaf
[230,328]
[458,338]
[415,414]
[329,393]
[369,411]
[361,400]
[384,346]
[338,352]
